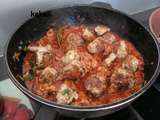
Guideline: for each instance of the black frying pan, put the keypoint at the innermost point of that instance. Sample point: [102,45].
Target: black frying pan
[120,23]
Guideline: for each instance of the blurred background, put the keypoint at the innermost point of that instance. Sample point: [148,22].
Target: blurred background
[15,12]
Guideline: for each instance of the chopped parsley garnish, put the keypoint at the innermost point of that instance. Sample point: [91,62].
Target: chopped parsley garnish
[31,64]
[31,75]
[25,49]
[65,92]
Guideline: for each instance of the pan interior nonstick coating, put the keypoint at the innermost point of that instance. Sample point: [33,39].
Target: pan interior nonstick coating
[127,28]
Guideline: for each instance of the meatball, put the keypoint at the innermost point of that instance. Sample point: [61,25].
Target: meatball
[43,54]
[74,40]
[72,71]
[48,75]
[95,46]
[121,80]
[78,68]
[66,95]
[122,50]
[87,34]
[101,29]
[87,61]
[73,67]
[108,61]
[109,38]
[70,56]
[95,85]
[131,63]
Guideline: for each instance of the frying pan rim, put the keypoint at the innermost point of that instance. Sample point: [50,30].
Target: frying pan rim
[87,108]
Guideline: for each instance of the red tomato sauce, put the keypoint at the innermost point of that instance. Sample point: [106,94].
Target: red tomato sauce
[75,74]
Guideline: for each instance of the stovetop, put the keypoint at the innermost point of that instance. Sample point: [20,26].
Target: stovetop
[145,107]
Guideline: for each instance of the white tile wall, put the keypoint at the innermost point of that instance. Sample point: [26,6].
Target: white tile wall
[14,12]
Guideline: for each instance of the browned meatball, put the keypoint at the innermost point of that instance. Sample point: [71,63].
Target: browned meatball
[74,40]
[48,75]
[95,85]
[101,29]
[109,38]
[121,80]
[96,46]
[72,71]
[88,34]
[77,64]
[87,61]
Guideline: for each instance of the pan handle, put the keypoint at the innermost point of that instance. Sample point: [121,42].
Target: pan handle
[46,112]
[101,5]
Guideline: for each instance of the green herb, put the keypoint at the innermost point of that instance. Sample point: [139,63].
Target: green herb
[25,49]
[31,75]
[31,64]
[59,36]
[65,92]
